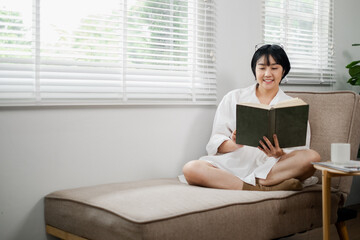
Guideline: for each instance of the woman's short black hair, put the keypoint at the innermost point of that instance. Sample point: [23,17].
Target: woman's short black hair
[276,52]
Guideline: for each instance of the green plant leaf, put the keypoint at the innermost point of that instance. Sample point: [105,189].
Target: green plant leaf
[354,71]
[352,64]
[354,81]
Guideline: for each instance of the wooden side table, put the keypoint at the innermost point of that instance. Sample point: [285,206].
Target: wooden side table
[327,174]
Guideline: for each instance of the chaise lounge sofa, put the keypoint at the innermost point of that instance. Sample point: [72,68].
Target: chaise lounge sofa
[168,209]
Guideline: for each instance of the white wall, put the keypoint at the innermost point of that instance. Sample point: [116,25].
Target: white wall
[43,149]
[46,149]
[346,33]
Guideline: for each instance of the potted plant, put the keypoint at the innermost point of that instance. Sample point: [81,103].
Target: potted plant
[354,70]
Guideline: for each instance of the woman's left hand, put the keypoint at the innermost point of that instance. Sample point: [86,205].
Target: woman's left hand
[269,149]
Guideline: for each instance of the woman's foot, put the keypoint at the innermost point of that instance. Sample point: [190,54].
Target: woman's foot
[310,181]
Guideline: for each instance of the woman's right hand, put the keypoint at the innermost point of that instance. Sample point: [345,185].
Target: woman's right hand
[230,145]
[269,149]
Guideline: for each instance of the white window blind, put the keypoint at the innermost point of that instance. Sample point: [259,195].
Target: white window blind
[107,52]
[305,29]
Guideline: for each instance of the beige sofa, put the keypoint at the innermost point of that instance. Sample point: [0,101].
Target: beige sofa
[168,209]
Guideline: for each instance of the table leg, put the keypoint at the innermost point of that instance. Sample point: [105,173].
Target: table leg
[326,184]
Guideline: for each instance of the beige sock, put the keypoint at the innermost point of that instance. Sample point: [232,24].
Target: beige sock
[291,184]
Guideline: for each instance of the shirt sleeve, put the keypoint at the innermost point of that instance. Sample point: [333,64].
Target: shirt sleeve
[223,126]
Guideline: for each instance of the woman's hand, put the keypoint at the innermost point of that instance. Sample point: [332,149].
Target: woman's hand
[230,145]
[269,149]
[233,136]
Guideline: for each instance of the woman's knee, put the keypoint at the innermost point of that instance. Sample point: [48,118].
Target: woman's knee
[192,171]
[310,156]
[313,156]
[189,167]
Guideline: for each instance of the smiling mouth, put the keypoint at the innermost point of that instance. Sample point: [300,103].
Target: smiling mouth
[268,80]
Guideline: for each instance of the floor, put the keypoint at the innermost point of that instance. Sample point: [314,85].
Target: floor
[353,227]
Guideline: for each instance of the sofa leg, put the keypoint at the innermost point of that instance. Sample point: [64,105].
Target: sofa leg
[62,234]
[342,230]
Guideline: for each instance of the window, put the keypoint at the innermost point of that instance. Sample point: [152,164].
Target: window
[305,29]
[107,52]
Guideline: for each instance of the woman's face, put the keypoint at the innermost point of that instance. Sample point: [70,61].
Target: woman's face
[268,75]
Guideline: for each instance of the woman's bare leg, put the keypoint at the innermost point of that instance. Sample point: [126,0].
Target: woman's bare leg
[202,173]
[296,164]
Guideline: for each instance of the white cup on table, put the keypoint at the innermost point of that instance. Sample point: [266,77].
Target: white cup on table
[340,153]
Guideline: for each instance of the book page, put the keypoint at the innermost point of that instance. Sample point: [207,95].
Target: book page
[256,105]
[286,103]
[290,103]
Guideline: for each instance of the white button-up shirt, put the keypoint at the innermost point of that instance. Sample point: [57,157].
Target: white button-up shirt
[247,163]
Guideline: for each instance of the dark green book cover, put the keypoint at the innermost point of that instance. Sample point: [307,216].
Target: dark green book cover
[289,123]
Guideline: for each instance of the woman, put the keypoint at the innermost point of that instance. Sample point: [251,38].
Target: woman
[233,166]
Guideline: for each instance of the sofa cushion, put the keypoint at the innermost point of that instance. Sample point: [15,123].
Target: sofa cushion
[168,209]
[331,117]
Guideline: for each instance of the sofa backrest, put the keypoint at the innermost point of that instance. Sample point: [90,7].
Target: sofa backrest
[334,118]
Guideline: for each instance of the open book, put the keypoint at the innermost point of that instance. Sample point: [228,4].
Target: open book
[287,119]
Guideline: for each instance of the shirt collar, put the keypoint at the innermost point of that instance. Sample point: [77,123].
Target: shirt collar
[280,96]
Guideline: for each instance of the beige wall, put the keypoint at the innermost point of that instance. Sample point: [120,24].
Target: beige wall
[43,149]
